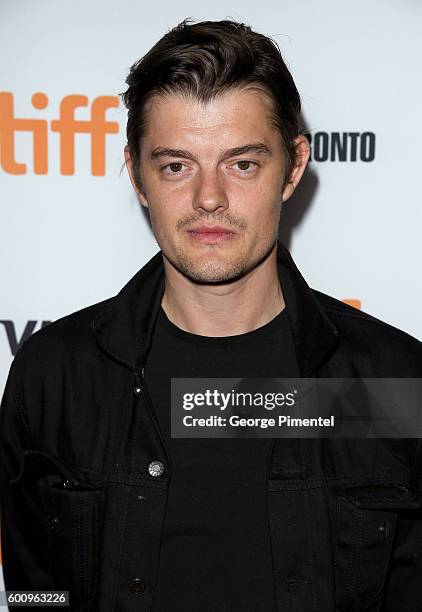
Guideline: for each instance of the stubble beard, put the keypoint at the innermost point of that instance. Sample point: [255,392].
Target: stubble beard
[216,271]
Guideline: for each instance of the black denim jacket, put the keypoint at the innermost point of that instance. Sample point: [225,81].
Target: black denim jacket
[82,512]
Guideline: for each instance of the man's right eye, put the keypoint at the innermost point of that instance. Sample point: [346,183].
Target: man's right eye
[173,168]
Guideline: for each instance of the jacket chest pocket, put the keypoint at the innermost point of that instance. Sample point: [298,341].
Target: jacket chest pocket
[363,539]
[361,554]
[71,504]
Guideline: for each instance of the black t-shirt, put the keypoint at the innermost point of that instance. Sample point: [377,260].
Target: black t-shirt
[216,553]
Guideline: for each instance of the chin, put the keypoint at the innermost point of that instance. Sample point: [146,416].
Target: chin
[211,278]
[214,267]
[211,271]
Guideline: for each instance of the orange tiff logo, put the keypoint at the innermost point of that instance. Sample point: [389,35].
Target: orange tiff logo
[66,126]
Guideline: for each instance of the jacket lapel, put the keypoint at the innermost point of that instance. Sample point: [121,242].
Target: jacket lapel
[123,329]
[314,334]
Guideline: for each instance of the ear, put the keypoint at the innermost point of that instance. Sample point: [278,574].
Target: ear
[138,188]
[302,151]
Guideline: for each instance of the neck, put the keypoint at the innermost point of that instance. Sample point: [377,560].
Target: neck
[224,310]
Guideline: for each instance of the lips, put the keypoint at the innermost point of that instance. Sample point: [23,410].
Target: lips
[214,229]
[211,234]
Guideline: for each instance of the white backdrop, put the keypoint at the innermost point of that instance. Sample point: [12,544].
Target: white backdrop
[353,226]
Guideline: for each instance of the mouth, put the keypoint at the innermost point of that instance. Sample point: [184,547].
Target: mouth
[211,234]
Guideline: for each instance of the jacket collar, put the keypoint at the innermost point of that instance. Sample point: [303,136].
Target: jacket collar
[124,327]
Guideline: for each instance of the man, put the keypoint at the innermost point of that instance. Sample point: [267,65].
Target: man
[97,497]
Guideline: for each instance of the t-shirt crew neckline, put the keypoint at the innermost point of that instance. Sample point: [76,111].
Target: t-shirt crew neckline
[260,332]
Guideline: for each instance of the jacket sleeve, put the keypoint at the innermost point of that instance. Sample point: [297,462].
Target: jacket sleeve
[23,524]
[403,591]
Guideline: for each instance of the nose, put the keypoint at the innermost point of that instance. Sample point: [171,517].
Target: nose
[209,194]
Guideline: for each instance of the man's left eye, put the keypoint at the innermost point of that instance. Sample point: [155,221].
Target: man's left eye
[245,165]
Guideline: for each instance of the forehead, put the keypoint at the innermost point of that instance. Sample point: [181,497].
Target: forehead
[236,116]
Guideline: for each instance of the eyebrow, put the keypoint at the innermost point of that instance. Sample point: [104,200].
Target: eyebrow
[257,148]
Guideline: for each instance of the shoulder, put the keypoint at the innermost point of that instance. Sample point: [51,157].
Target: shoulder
[68,337]
[366,334]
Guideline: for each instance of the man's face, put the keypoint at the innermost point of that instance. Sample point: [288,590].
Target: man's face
[214,166]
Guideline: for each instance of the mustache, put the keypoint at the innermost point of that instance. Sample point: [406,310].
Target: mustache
[225,219]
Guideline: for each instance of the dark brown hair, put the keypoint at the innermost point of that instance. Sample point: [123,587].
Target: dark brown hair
[204,60]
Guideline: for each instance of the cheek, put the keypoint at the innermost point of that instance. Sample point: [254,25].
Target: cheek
[272,199]
[164,217]
[260,201]
[170,199]
[265,188]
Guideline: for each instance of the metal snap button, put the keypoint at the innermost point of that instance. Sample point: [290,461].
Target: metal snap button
[137,391]
[52,522]
[385,530]
[136,585]
[68,483]
[155,468]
